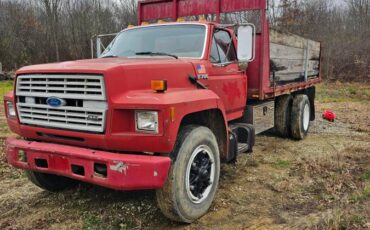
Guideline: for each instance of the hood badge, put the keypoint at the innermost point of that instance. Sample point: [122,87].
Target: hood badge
[55,102]
[93,117]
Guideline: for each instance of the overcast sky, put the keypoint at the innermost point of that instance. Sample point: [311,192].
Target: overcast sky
[337,2]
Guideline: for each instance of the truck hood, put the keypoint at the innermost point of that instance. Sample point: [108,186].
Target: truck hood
[124,75]
[99,66]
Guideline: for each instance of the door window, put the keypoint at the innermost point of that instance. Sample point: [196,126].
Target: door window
[222,49]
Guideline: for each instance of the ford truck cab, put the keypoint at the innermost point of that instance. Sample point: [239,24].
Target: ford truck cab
[161,108]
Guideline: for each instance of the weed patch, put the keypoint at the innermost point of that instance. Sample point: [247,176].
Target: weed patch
[282,164]
[366,176]
[343,92]
[361,196]
[96,221]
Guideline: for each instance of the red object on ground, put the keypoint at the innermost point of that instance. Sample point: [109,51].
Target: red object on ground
[123,171]
[329,115]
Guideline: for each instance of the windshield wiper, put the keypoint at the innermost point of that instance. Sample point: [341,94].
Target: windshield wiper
[157,54]
[110,56]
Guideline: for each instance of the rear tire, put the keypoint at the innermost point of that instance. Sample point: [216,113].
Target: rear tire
[283,107]
[50,182]
[193,177]
[301,111]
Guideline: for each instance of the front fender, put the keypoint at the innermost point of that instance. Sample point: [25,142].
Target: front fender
[182,101]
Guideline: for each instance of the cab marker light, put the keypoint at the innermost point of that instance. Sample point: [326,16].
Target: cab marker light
[160,86]
[180,20]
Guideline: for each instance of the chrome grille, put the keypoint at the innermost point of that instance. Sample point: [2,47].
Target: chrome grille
[89,87]
[85,109]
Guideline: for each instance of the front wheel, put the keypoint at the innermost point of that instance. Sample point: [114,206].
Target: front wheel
[193,178]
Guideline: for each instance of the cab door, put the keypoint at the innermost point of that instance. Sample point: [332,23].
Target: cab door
[224,76]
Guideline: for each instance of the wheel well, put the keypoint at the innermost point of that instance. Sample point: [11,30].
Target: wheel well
[214,120]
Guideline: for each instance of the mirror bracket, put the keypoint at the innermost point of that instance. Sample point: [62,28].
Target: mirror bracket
[243,65]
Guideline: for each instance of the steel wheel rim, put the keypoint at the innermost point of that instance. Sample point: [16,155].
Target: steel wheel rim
[306,117]
[200,174]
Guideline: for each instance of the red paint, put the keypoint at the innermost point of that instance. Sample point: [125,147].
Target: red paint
[127,82]
[258,71]
[232,91]
[138,172]
[163,9]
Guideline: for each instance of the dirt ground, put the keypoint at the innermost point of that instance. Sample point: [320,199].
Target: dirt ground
[322,182]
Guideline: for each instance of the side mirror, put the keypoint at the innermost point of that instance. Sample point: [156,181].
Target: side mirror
[246,42]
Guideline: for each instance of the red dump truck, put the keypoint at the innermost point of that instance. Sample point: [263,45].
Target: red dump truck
[164,104]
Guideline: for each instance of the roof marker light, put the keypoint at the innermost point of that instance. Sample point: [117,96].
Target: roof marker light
[202,18]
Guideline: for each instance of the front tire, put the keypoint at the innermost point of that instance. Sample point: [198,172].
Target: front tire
[50,182]
[301,114]
[193,178]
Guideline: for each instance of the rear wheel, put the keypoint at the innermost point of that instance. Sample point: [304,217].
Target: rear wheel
[301,113]
[283,107]
[193,178]
[50,182]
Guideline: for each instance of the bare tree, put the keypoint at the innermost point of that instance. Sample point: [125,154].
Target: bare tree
[51,8]
[68,26]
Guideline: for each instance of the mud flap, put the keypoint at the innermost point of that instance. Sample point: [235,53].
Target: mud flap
[311,93]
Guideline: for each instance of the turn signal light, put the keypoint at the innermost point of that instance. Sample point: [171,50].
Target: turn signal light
[159,85]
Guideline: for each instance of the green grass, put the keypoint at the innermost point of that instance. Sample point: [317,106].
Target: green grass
[5,87]
[91,221]
[366,176]
[282,164]
[361,196]
[343,92]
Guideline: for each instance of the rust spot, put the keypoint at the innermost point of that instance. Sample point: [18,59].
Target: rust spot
[119,166]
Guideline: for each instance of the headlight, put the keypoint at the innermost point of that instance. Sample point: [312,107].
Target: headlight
[11,109]
[146,121]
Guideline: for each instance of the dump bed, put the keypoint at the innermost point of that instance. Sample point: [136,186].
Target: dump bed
[292,58]
[283,63]
[294,64]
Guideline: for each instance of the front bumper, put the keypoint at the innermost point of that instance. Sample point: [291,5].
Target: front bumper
[123,171]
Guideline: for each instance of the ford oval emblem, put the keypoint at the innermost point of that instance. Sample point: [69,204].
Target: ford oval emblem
[55,102]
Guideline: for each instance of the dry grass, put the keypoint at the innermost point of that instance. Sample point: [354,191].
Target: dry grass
[319,183]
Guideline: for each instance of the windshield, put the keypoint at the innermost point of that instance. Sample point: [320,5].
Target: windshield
[179,40]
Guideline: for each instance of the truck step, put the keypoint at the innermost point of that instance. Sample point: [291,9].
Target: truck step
[241,140]
[242,147]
